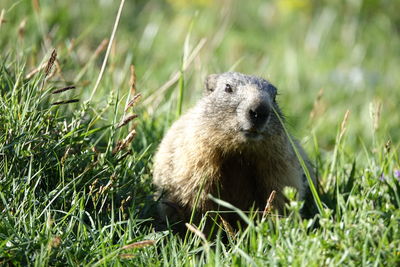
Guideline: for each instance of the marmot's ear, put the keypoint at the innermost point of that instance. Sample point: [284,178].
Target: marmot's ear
[211,83]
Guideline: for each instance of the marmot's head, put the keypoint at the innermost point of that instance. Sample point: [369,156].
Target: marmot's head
[242,106]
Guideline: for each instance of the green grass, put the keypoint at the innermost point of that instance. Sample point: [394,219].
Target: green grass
[68,197]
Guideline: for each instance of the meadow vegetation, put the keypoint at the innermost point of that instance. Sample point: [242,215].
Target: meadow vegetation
[75,164]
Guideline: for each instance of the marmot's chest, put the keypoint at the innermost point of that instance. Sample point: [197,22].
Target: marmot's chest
[243,184]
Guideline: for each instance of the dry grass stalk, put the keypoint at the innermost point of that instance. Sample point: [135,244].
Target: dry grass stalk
[269,206]
[132,88]
[197,232]
[57,91]
[2,20]
[375,113]
[50,63]
[344,124]
[34,71]
[140,244]
[100,48]
[132,80]
[36,5]
[64,157]
[124,143]
[71,46]
[317,107]
[92,187]
[65,102]
[124,203]
[103,67]
[134,100]
[126,120]
[228,228]
[127,256]
[21,29]
[105,188]
[117,147]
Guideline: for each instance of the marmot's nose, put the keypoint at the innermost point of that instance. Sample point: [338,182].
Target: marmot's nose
[258,115]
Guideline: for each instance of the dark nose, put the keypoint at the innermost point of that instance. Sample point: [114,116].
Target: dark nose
[258,115]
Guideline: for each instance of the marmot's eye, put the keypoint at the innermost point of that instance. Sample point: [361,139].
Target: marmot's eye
[228,88]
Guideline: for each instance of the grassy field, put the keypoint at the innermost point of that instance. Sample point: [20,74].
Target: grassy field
[75,183]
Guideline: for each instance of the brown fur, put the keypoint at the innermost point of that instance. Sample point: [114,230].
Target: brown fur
[200,156]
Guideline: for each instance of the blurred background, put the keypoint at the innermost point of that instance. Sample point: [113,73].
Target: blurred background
[325,57]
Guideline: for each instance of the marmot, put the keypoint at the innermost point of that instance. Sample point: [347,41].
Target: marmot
[230,145]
